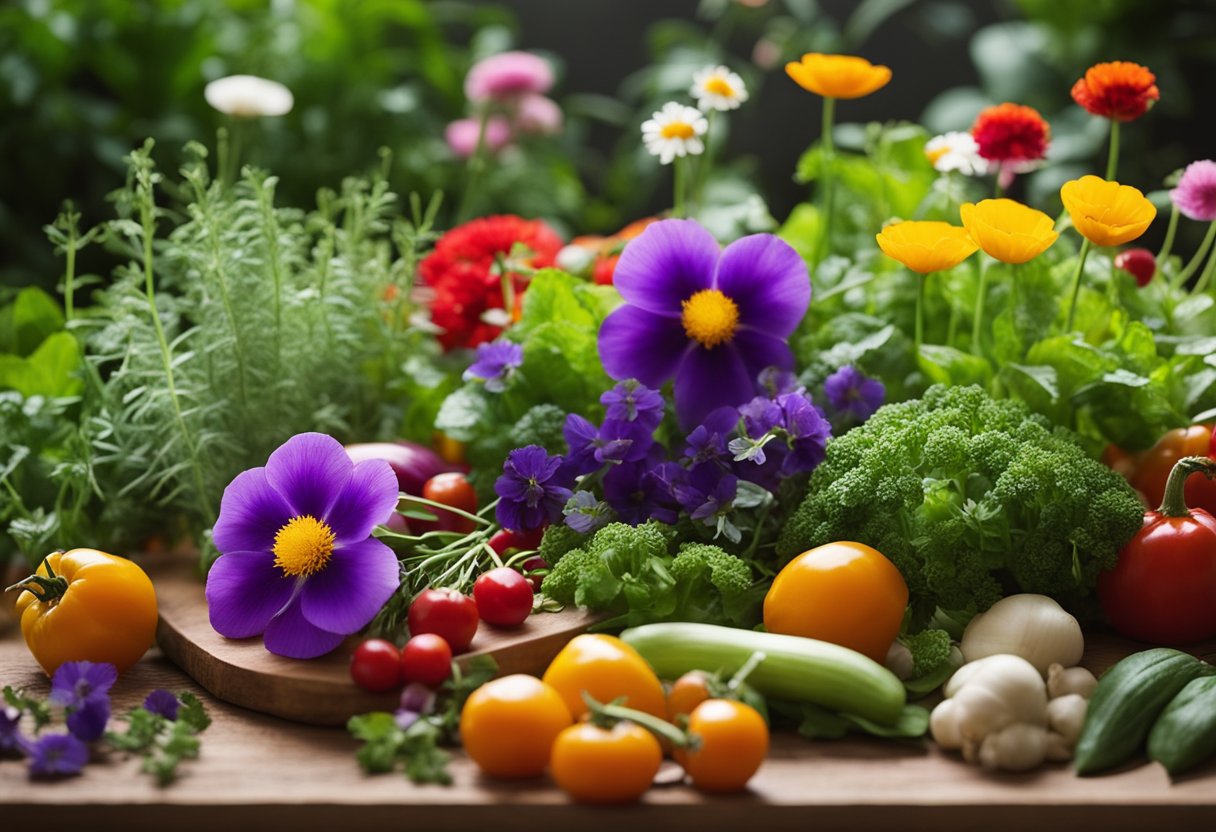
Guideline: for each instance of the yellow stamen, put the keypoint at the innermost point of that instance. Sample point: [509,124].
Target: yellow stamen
[717,85]
[710,318]
[936,153]
[303,547]
[677,130]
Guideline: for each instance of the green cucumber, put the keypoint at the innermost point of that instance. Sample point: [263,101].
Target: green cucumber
[1185,734]
[794,669]
[1129,698]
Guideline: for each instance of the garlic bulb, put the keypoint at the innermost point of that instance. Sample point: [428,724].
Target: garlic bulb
[1062,681]
[1031,626]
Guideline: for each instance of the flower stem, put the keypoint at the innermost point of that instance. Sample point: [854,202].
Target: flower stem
[476,167]
[920,310]
[1168,245]
[977,322]
[678,175]
[1076,285]
[827,178]
[1112,161]
[1202,283]
[1173,502]
[69,273]
[706,162]
[1193,265]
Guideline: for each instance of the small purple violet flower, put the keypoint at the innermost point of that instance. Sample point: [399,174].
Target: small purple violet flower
[708,440]
[806,433]
[849,391]
[706,492]
[1195,194]
[82,689]
[774,381]
[56,755]
[10,729]
[531,490]
[641,491]
[494,364]
[164,703]
[298,563]
[630,401]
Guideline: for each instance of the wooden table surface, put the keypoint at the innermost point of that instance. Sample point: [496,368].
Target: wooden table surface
[260,771]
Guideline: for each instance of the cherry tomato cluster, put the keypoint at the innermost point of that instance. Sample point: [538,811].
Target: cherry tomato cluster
[518,726]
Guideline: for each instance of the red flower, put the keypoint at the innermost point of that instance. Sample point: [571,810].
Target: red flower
[461,271]
[1011,133]
[1118,90]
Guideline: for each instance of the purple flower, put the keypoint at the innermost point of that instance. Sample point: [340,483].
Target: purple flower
[75,683]
[1195,194]
[532,489]
[299,564]
[641,491]
[806,433]
[591,448]
[87,721]
[706,492]
[10,729]
[494,364]
[851,392]
[707,442]
[710,319]
[162,702]
[56,755]
[630,401]
[508,76]
[774,381]
[584,513]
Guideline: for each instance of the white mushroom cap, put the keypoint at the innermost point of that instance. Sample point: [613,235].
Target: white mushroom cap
[248,96]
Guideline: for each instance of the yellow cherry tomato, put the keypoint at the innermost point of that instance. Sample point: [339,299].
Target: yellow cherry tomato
[733,743]
[86,605]
[845,593]
[607,668]
[605,765]
[508,726]
[686,693]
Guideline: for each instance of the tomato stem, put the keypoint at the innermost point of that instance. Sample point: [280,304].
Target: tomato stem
[1173,503]
[45,589]
[608,715]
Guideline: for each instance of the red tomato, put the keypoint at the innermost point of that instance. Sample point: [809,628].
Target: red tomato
[504,540]
[535,568]
[376,666]
[1154,466]
[503,596]
[447,614]
[426,658]
[1139,263]
[452,489]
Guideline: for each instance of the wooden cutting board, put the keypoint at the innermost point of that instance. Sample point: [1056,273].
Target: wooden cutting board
[318,691]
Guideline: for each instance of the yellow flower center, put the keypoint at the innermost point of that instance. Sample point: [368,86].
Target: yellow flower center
[710,318]
[303,547]
[677,130]
[717,85]
[936,153]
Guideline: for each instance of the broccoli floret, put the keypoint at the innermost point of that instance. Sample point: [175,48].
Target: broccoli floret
[541,425]
[559,540]
[619,566]
[971,498]
[930,651]
[582,578]
[712,585]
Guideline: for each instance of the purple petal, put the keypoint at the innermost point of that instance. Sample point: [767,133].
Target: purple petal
[88,721]
[345,595]
[164,703]
[709,379]
[760,350]
[369,498]
[309,470]
[244,591]
[56,754]
[251,512]
[768,281]
[290,634]
[665,265]
[637,344]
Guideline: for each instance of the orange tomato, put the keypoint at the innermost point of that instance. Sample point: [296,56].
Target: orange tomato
[686,693]
[606,668]
[733,743]
[845,593]
[1155,464]
[605,765]
[508,726]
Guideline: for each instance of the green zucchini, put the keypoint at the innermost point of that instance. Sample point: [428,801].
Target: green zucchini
[1129,698]
[794,669]
[1185,734]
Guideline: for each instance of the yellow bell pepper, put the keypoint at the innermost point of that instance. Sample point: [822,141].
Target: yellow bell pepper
[606,668]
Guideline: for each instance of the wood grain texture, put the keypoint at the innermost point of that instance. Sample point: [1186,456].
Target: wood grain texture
[319,691]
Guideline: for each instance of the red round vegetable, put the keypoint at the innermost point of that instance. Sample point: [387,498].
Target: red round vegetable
[413,464]
[1163,589]
[426,658]
[1140,263]
[447,614]
[452,489]
[503,596]
[376,666]
[535,568]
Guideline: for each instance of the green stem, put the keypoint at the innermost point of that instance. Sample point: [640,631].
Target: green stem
[753,661]
[1202,283]
[608,715]
[920,310]
[1168,246]
[271,223]
[977,322]
[69,274]
[828,179]
[1173,502]
[217,254]
[1193,265]
[706,163]
[1076,285]
[678,176]
[1112,161]
[475,168]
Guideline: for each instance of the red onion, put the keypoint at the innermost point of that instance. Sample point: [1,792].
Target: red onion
[413,464]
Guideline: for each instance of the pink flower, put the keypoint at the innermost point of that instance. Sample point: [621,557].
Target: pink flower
[461,135]
[538,114]
[1195,195]
[507,76]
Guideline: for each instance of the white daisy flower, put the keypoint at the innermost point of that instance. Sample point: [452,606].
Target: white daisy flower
[675,130]
[956,151]
[248,96]
[717,88]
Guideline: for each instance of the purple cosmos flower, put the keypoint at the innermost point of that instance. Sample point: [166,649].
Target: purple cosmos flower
[849,391]
[1195,194]
[533,489]
[641,491]
[164,703]
[507,76]
[56,755]
[584,513]
[299,564]
[494,364]
[630,401]
[711,319]
[10,729]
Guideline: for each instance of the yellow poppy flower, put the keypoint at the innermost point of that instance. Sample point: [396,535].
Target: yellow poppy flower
[1007,230]
[1107,213]
[838,76]
[926,247]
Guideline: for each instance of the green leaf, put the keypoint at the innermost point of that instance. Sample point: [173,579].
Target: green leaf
[30,319]
[820,723]
[463,413]
[50,371]
[371,727]
[913,722]
[946,365]
[192,712]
